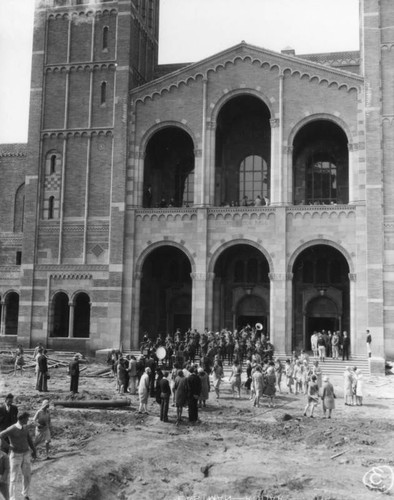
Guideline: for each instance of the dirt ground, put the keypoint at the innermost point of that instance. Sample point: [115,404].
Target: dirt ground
[235,452]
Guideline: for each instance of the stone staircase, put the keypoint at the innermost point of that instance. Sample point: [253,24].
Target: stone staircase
[329,366]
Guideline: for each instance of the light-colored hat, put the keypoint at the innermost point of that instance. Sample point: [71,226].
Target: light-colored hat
[44,404]
[325,379]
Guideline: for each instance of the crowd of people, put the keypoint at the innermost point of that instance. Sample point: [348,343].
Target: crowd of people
[327,344]
[189,373]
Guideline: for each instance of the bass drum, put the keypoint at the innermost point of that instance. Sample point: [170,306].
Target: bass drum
[161,353]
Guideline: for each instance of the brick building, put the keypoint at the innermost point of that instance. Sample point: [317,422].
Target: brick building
[251,186]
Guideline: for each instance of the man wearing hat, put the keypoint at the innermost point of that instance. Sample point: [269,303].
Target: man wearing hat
[8,417]
[73,371]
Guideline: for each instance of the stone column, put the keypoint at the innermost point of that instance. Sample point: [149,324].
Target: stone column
[354,341]
[289,313]
[288,194]
[354,195]
[199,300]
[276,164]
[2,322]
[198,178]
[135,310]
[210,300]
[71,306]
[278,332]
[210,161]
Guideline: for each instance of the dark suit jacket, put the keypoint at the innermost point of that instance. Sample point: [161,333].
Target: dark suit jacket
[42,363]
[194,385]
[8,418]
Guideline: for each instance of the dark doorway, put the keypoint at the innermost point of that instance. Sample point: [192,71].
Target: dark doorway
[182,321]
[242,321]
[319,324]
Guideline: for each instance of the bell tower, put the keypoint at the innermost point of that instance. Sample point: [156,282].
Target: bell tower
[87,56]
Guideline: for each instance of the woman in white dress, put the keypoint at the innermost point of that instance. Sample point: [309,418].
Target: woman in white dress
[359,380]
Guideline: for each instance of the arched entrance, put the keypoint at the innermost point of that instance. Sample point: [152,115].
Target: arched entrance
[250,310]
[321,314]
[11,313]
[243,151]
[241,288]
[321,293]
[166,289]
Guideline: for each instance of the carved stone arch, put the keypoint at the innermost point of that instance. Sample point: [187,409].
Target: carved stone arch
[320,116]
[221,247]
[145,254]
[75,293]
[321,241]
[162,125]
[55,292]
[236,93]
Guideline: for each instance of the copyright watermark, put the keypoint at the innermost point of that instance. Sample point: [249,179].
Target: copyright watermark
[229,497]
[379,478]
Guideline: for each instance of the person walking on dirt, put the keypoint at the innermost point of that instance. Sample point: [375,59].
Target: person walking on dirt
[19,359]
[21,446]
[204,395]
[42,421]
[73,371]
[313,396]
[217,375]
[235,379]
[348,386]
[8,417]
[328,397]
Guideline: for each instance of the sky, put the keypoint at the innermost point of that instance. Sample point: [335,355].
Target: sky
[190,30]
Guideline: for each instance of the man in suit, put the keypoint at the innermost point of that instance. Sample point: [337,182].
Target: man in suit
[8,417]
[73,370]
[194,391]
[42,371]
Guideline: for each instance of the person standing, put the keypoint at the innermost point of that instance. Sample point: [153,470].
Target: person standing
[20,445]
[348,386]
[180,390]
[8,417]
[4,475]
[73,371]
[132,369]
[165,393]
[217,375]
[143,391]
[42,371]
[345,346]
[335,345]
[204,395]
[313,396]
[358,377]
[42,421]
[328,397]
[369,341]
[194,391]
[235,378]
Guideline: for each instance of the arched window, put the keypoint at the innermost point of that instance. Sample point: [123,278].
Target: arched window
[82,316]
[188,191]
[253,177]
[105,37]
[321,180]
[11,313]
[52,165]
[19,209]
[51,207]
[60,315]
[103,94]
